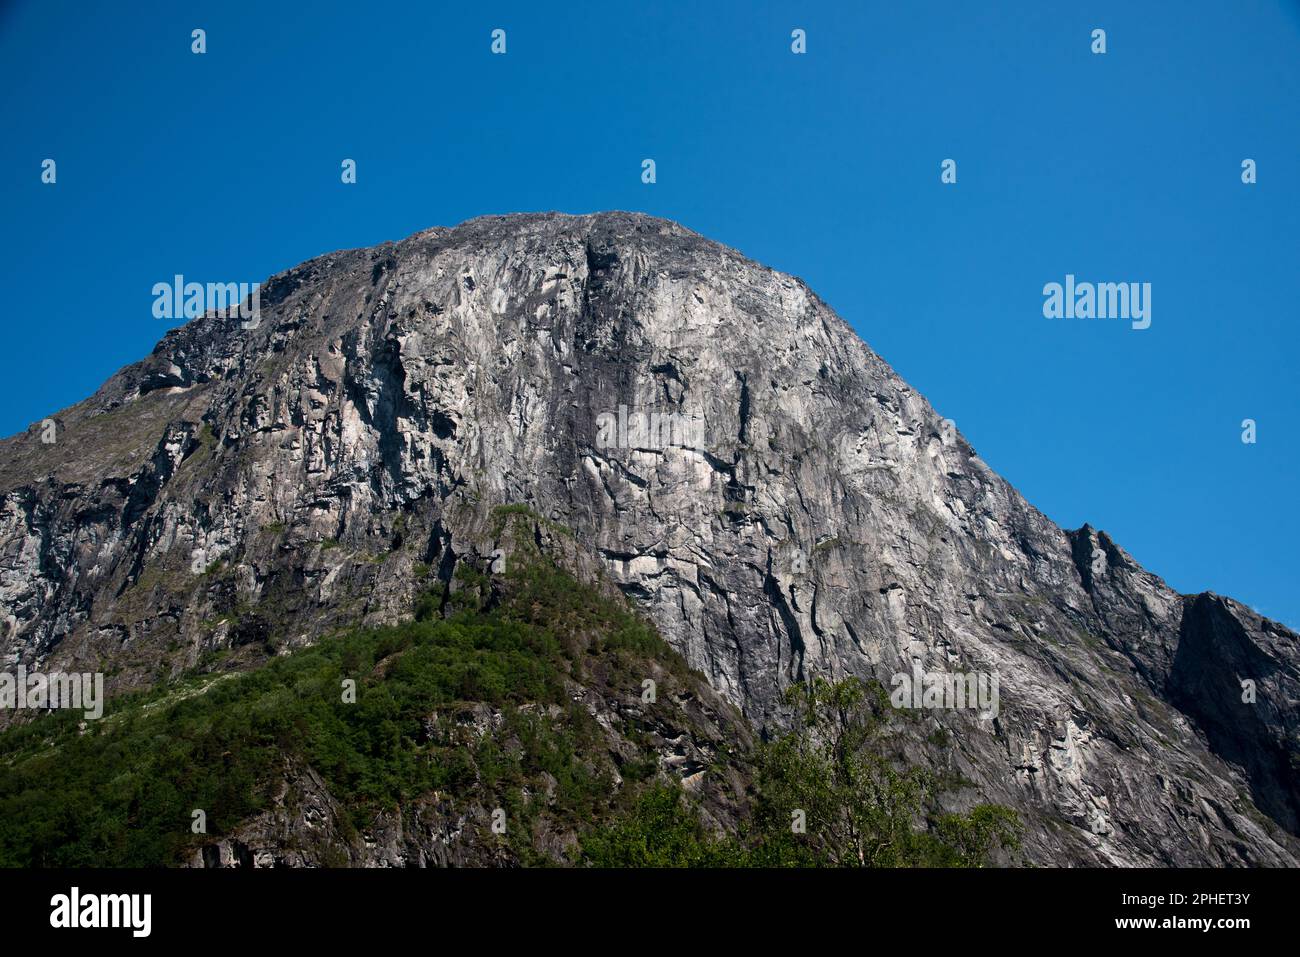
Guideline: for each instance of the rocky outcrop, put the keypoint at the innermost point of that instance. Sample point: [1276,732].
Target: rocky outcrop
[244,490]
[694,736]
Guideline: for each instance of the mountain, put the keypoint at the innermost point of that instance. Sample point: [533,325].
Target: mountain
[251,487]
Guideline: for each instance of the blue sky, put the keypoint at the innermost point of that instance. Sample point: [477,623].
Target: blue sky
[1116,167]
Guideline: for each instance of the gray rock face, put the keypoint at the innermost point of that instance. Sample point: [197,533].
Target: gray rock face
[243,491]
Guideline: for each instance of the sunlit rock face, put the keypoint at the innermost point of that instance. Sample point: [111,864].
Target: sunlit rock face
[730,452]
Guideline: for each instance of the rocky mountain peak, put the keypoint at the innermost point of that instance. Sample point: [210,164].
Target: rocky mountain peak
[730,454]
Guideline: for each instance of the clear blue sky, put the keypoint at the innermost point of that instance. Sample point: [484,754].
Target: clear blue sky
[1117,167]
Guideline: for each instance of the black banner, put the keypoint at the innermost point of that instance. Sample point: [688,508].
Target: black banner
[138,907]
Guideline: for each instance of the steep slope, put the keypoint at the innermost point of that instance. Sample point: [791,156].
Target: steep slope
[501,727]
[244,491]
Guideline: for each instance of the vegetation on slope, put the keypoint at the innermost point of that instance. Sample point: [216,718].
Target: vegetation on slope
[827,796]
[122,791]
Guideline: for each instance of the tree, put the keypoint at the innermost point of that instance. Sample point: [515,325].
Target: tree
[857,807]
[659,830]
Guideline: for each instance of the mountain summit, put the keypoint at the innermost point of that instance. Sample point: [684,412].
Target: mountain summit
[723,448]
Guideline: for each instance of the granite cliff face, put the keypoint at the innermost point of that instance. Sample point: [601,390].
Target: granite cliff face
[242,491]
